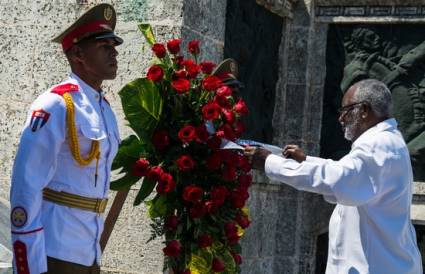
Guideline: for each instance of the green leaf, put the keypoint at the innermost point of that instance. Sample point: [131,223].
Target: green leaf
[157,206]
[146,29]
[146,189]
[124,182]
[200,261]
[129,151]
[142,104]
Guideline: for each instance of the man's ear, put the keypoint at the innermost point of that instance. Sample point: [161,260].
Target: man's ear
[75,54]
[365,111]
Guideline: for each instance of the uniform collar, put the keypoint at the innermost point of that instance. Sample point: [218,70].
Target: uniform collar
[86,88]
[387,124]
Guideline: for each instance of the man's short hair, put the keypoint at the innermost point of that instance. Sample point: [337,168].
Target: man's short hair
[376,94]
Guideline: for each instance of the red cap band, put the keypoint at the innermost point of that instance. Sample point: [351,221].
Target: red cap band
[68,40]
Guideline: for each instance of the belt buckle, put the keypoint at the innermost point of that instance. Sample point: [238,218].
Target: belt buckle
[101,205]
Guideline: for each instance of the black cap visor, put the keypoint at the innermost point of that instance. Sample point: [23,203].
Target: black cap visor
[118,40]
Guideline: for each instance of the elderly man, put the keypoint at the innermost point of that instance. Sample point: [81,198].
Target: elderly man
[370,229]
[61,174]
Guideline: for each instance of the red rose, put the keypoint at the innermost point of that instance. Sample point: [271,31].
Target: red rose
[197,211]
[214,161]
[231,232]
[155,73]
[172,249]
[178,60]
[166,183]
[229,133]
[159,50]
[205,240]
[154,173]
[187,133]
[185,163]
[245,165]
[245,181]
[172,222]
[211,207]
[160,139]
[193,47]
[228,116]
[217,265]
[173,46]
[237,258]
[202,133]
[192,68]
[239,128]
[180,74]
[214,143]
[192,193]
[181,85]
[218,195]
[224,91]
[238,197]
[222,101]
[243,221]
[229,173]
[210,111]
[140,167]
[211,83]
[240,107]
[207,67]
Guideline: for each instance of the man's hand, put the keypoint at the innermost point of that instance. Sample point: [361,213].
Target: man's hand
[256,156]
[294,152]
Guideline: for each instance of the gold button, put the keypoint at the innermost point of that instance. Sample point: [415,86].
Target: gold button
[22,268]
[19,250]
[20,259]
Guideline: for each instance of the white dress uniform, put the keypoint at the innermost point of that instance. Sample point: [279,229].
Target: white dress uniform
[42,228]
[370,231]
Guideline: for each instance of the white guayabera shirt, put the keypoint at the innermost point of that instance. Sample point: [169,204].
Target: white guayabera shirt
[41,228]
[370,231]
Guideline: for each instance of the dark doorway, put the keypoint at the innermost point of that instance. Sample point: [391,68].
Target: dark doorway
[252,38]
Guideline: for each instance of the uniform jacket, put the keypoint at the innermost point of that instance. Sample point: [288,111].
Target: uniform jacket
[41,228]
[370,231]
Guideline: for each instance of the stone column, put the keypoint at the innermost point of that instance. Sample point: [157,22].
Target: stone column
[287,222]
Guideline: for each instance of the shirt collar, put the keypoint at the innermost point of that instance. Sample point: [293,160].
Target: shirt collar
[87,89]
[390,123]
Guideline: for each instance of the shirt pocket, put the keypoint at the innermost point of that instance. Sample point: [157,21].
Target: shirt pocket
[88,134]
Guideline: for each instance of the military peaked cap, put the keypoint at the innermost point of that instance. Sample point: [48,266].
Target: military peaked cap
[98,22]
[228,72]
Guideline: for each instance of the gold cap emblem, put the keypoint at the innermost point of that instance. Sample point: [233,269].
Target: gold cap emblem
[107,13]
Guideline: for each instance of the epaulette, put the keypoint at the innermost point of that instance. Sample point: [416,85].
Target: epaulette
[63,88]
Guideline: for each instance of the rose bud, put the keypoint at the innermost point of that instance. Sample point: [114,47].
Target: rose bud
[140,167]
[217,265]
[205,241]
[172,222]
[172,249]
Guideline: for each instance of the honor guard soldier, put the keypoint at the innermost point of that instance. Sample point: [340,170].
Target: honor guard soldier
[61,173]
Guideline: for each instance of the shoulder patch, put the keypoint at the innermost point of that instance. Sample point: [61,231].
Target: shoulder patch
[38,119]
[21,257]
[63,88]
[18,216]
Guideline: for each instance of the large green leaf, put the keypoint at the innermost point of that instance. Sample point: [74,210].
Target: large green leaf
[124,182]
[157,206]
[146,29]
[146,189]
[142,104]
[129,151]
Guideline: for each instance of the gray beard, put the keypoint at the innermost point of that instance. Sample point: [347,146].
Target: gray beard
[349,129]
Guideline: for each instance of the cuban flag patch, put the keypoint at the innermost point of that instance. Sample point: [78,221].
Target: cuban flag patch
[38,119]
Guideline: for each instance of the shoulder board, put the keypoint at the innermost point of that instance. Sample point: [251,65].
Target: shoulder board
[63,88]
